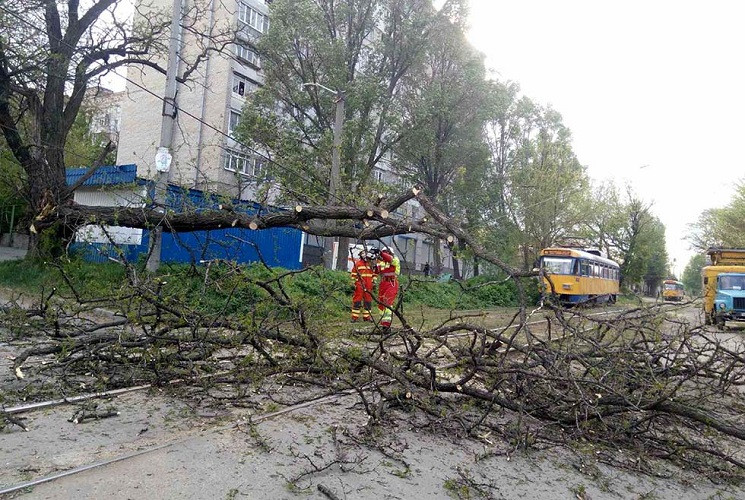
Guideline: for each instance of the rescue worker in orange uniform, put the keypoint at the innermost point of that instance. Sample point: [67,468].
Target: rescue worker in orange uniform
[388,267]
[362,279]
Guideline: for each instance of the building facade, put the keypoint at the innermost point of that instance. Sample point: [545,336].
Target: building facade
[210,103]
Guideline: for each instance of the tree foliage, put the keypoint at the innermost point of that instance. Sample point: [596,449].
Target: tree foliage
[84,144]
[537,187]
[624,226]
[51,52]
[722,227]
[363,49]
[692,274]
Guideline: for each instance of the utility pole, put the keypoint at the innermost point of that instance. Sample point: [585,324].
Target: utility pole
[163,156]
[336,153]
[334,181]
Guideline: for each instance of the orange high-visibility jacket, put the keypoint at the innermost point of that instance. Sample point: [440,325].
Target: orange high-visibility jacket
[362,275]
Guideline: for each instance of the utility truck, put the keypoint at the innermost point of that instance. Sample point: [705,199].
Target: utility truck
[724,286]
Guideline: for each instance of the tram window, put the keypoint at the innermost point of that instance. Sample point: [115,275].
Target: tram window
[596,270]
[584,268]
[575,268]
[557,265]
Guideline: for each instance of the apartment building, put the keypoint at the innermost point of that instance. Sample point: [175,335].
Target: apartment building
[210,102]
[205,157]
[106,111]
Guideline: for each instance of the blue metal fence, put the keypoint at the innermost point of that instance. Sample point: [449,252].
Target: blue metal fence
[278,247]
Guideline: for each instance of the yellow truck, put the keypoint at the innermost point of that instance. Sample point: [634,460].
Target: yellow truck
[724,286]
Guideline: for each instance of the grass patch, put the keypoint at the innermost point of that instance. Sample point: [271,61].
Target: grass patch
[225,291]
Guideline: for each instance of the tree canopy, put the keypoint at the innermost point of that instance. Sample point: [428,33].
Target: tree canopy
[722,227]
[692,274]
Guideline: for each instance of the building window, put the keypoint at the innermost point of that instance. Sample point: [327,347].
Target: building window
[250,165]
[246,54]
[252,18]
[235,117]
[243,85]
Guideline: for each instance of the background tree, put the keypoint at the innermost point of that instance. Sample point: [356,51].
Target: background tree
[363,49]
[723,227]
[51,52]
[442,147]
[692,274]
[627,230]
[84,145]
[547,188]
[536,185]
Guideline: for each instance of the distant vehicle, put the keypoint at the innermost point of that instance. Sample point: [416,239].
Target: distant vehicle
[578,276]
[672,290]
[724,286]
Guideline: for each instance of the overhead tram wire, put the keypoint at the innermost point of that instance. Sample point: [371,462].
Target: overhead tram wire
[282,167]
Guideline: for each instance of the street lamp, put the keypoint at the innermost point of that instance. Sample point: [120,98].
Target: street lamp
[334,180]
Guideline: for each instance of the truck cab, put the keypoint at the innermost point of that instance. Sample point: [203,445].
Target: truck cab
[729,301]
[724,286]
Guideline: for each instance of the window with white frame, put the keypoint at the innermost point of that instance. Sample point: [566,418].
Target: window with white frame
[259,166]
[246,54]
[243,85]
[235,117]
[253,18]
[246,164]
[235,161]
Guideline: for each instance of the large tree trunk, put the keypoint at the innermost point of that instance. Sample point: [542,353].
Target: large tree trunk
[47,190]
[343,260]
[437,256]
[457,271]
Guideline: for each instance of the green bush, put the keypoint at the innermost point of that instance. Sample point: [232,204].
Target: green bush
[226,291]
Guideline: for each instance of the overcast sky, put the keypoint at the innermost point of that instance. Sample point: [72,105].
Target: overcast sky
[653,91]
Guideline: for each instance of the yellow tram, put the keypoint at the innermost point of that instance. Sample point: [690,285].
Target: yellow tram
[672,290]
[578,276]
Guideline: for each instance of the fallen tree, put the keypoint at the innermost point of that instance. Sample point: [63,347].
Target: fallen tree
[632,386]
[635,385]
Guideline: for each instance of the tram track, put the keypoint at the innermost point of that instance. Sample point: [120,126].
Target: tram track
[252,420]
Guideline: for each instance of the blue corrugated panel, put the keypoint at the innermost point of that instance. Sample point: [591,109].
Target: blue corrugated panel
[106,175]
[99,252]
[277,247]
